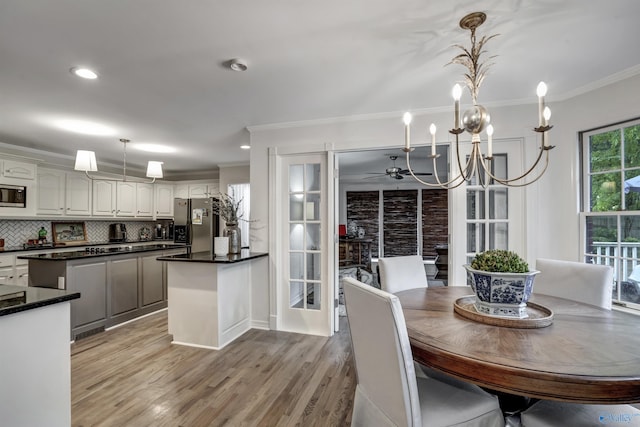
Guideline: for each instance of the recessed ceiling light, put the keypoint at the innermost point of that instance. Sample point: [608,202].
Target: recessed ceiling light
[84,127]
[153,148]
[245,146]
[83,72]
[238,64]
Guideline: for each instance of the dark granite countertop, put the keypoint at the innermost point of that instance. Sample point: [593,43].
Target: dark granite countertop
[14,299]
[50,246]
[210,257]
[85,253]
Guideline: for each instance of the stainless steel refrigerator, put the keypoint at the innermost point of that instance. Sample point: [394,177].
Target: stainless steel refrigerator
[195,224]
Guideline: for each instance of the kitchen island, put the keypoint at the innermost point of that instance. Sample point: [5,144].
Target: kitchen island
[209,297]
[35,360]
[118,284]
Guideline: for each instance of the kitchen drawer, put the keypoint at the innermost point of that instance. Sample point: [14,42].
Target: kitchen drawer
[6,260]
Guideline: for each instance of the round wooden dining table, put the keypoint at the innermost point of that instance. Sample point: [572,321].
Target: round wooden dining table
[586,355]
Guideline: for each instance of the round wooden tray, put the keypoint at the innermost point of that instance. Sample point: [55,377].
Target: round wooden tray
[539,316]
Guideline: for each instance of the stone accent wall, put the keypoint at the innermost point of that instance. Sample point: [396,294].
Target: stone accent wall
[400,219]
[400,210]
[435,220]
[362,208]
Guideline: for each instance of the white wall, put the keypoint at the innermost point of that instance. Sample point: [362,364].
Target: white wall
[241,174]
[551,204]
[237,174]
[559,191]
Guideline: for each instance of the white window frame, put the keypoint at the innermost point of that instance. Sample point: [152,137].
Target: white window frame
[618,255]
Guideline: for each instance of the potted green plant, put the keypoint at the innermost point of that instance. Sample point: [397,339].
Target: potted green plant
[502,283]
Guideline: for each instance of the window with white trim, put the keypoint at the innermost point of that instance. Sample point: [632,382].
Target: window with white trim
[611,205]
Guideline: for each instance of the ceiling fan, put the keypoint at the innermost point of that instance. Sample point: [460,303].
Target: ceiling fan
[395,172]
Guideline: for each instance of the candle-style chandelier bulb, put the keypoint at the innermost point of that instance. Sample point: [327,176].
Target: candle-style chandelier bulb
[456,92]
[541,90]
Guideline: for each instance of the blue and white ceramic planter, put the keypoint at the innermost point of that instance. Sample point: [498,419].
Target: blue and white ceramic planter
[501,294]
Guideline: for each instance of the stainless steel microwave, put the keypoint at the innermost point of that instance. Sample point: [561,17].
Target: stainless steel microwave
[13,196]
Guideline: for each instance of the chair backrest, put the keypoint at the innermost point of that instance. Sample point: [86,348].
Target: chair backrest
[577,281]
[402,272]
[382,353]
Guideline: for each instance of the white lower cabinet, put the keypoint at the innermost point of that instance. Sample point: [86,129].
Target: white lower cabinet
[21,275]
[6,276]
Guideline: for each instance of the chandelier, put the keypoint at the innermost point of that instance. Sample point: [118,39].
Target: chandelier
[477,167]
[86,162]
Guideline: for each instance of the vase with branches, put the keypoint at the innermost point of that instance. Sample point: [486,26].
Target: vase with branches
[229,210]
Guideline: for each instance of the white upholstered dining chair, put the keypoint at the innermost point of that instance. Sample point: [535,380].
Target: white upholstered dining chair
[577,281]
[402,272]
[388,393]
[552,414]
[590,284]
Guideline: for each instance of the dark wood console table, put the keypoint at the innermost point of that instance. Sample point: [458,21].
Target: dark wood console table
[355,252]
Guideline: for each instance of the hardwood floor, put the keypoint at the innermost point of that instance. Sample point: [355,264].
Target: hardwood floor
[133,376]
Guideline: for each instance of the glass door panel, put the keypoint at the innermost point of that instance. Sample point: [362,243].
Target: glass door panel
[305,237]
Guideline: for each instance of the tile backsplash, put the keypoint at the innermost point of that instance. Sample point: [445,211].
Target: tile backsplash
[17,232]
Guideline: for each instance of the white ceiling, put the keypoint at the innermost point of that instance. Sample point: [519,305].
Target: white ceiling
[163,77]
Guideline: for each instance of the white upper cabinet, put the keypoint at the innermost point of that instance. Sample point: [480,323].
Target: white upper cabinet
[78,194]
[126,199]
[203,190]
[164,200]
[118,198]
[60,193]
[13,169]
[198,191]
[50,192]
[144,199]
[104,198]
[181,191]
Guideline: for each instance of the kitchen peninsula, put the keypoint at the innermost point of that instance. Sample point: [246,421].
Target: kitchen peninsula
[35,367]
[209,297]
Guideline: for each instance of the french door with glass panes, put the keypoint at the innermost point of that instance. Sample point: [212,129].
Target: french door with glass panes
[305,297]
[492,212]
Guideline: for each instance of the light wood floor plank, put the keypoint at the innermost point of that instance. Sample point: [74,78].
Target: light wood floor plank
[134,376]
